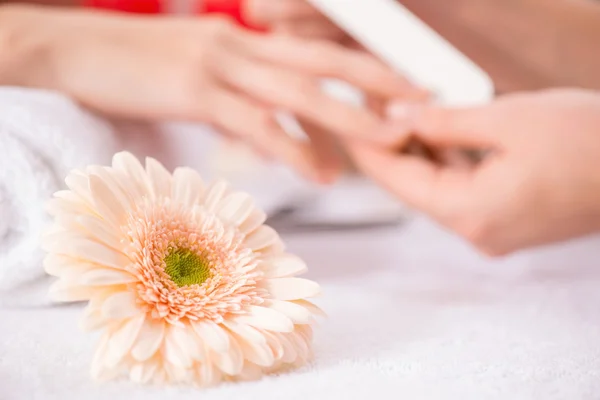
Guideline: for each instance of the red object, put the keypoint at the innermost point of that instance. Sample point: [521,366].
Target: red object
[129,6]
[231,8]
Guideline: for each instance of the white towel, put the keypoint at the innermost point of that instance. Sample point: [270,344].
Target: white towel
[413,314]
[43,135]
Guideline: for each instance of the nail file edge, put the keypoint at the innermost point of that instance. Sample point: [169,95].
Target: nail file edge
[411,47]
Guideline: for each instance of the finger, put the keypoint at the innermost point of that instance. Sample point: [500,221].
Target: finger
[257,126]
[310,28]
[326,148]
[442,126]
[325,59]
[439,192]
[299,94]
[267,12]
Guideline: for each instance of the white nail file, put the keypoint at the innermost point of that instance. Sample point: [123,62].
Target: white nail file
[410,46]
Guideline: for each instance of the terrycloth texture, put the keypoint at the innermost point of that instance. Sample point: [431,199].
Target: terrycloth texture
[413,314]
[42,136]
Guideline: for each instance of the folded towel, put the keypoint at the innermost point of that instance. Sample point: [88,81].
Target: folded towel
[43,135]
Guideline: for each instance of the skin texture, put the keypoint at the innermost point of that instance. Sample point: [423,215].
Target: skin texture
[197,69]
[538,185]
[294,17]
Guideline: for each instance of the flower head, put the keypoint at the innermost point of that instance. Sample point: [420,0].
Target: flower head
[184,280]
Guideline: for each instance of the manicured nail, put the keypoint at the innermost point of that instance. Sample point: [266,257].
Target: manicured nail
[400,111]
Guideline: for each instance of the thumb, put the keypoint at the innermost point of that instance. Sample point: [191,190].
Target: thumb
[442,126]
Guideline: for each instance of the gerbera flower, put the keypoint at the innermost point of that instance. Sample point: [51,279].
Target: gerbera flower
[184,280]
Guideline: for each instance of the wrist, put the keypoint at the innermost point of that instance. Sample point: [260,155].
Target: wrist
[24,47]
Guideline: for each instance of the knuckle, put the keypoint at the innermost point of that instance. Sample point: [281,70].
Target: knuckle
[262,121]
[304,93]
[477,231]
[221,29]
[436,119]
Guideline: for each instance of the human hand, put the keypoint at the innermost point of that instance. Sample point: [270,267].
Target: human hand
[540,184]
[294,17]
[208,70]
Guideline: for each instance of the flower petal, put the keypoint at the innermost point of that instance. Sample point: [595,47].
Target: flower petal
[64,292]
[207,374]
[130,166]
[90,250]
[295,312]
[159,178]
[174,352]
[149,340]
[282,265]
[98,229]
[78,182]
[188,186]
[100,355]
[178,374]
[291,288]
[277,247]
[123,339]
[187,340]
[58,264]
[231,361]
[250,372]
[143,372]
[215,192]
[300,345]
[106,201]
[215,337]
[275,345]
[92,321]
[106,276]
[313,308]
[120,305]
[259,354]
[247,332]
[289,351]
[57,206]
[235,208]
[254,220]
[113,179]
[262,237]
[265,318]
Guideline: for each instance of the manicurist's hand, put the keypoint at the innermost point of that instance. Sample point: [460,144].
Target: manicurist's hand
[197,69]
[539,184]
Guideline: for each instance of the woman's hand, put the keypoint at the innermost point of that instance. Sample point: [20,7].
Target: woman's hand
[540,183]
[294,17]
[200,69]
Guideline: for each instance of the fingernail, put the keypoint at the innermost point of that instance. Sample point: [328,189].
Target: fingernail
[400,111]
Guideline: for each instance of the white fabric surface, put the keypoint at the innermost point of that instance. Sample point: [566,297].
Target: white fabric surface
[413,313]
[42,137]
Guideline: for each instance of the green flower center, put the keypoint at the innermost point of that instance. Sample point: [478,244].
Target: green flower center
[186,268]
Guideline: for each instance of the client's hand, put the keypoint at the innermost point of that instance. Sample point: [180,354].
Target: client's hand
[197,69]
[540,183]
[295,17]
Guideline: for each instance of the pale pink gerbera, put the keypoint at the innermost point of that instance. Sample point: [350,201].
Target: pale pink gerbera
[185,281]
